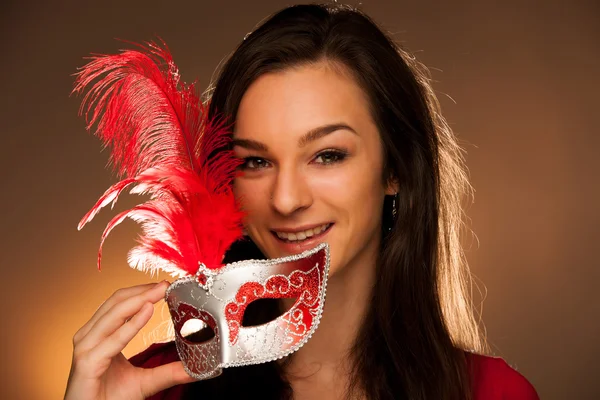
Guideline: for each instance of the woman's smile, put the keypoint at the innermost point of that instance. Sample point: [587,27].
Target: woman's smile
[294,240]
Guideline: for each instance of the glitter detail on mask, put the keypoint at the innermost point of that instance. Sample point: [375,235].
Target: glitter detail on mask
[199,359]
[205,277]
[232,288]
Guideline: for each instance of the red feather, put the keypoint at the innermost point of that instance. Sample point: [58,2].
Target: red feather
[163,144]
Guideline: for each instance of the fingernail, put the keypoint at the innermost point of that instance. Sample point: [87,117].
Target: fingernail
[163,283]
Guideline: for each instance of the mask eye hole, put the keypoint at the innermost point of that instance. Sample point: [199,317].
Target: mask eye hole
[262,311]
[196,331]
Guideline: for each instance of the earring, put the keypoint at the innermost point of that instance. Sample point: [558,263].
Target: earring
[394,211]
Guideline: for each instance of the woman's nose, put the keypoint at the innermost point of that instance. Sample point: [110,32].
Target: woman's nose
[290,192]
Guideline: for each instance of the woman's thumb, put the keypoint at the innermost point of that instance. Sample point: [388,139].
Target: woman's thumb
[160,378]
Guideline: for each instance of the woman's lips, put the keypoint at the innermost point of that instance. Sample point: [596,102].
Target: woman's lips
[301,245]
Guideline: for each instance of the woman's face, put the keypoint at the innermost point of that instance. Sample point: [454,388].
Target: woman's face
[313,164]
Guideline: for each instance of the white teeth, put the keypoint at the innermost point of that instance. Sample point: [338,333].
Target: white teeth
[301,235]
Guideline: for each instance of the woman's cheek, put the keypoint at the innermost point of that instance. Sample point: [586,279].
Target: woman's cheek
[248,192]
[343,180]
[252,202]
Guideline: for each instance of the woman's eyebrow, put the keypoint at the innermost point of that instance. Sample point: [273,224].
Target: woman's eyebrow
[308,137]
[250,144]
[321,131]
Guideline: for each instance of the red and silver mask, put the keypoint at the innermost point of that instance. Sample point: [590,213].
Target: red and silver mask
[219,299]
[165,145]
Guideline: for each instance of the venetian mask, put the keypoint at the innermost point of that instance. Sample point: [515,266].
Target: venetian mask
[218,299]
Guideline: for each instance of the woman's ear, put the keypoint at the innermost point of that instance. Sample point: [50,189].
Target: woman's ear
[392,186]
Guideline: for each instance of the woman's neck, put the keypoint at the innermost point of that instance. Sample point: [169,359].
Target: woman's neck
[322,367]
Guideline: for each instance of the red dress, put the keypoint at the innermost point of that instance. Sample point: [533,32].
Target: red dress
[493,378]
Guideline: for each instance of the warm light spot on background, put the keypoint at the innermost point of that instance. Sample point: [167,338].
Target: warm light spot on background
[48,355]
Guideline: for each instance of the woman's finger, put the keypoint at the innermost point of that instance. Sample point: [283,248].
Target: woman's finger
[118,315]
[115,298]
[115,343]
[153,380]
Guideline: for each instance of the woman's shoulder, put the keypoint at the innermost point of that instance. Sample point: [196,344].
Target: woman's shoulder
[493,379]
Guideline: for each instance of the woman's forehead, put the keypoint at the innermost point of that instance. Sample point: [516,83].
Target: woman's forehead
[298,100]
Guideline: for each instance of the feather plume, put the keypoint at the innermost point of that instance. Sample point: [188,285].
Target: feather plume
[162,144]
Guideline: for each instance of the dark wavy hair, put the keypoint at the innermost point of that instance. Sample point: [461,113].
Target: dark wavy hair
[420,320]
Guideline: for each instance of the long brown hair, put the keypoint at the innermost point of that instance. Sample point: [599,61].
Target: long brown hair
[420,320]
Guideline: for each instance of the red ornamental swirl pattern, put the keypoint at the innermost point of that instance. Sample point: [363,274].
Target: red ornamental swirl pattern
[301,285]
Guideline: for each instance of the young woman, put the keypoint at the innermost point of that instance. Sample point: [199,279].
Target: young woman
[343,142]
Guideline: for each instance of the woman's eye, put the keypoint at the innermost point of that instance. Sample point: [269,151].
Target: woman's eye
[253,163]
[330,157]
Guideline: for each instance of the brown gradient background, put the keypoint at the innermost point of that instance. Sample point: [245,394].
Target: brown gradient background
[524,77]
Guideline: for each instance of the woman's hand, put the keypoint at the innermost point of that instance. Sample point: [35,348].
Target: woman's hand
[99,371]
